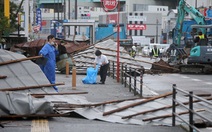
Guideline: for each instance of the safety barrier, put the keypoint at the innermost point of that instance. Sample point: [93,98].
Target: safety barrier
[128,76]
[190,109]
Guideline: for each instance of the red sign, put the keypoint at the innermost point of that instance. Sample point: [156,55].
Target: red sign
[109,5]
[112,18]
[136,27]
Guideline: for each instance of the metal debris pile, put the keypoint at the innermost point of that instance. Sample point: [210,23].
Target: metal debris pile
[163,67]
[27,87]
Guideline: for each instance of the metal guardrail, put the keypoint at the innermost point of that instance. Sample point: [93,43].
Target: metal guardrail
[131,73]
[190,108]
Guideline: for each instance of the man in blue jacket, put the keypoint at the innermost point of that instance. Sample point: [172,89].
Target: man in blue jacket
[49,52]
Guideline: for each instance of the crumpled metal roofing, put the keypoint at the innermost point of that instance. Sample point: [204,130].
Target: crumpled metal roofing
[33,47]
[85,58]
[27,73]
[21,74]
[23,104]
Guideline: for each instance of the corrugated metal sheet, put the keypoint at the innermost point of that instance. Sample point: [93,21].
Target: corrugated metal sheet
[85,58]
[27,73]
[32,48]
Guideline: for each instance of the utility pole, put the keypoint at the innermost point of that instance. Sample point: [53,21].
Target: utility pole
[69,9]
[64,9]
[54,9]
[26,28]
[75,28]
[196,4]
[118,42]
[157,31]
[69,15]
[75,9]
[58,16]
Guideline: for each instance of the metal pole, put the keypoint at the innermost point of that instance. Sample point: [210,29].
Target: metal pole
[118,44]
[122,71]
[58,17]
[54,9]
[130,81]
[173,104]
[141,83]
[75,9]
[191,122]
[61,8]
[26,28]
[69,15]
[113,70]
[75,27]
[196,4]
[69,9]
[125,76]
[157,31]
[134,90]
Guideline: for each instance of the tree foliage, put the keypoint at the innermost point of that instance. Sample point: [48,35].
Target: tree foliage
[6,25]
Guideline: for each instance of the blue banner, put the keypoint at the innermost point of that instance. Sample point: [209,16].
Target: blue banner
[39,18]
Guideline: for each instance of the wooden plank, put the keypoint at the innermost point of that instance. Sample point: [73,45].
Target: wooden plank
[137,103]
[65,93]
[3,77]
[31,87]
[90,105]
[19,60]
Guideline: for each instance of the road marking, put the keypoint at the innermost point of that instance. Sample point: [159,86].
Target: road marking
[209,83]
[185,77]
[40,126]
[196,80]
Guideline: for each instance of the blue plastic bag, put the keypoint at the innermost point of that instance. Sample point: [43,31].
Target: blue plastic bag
[91,75]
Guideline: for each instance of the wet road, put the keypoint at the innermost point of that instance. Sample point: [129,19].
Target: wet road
[163,82]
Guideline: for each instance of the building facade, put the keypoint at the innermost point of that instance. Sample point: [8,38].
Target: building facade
[61,10]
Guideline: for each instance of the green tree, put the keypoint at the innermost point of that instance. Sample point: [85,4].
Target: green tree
[4,22]
[7,26]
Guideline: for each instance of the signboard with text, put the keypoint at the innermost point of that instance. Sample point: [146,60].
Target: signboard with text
[38,18]
[109,5]
[137,18]
[136,26]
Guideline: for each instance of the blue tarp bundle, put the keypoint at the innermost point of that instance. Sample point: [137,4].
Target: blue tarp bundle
[91,75]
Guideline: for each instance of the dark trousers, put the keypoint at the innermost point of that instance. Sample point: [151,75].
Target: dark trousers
[103,72]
